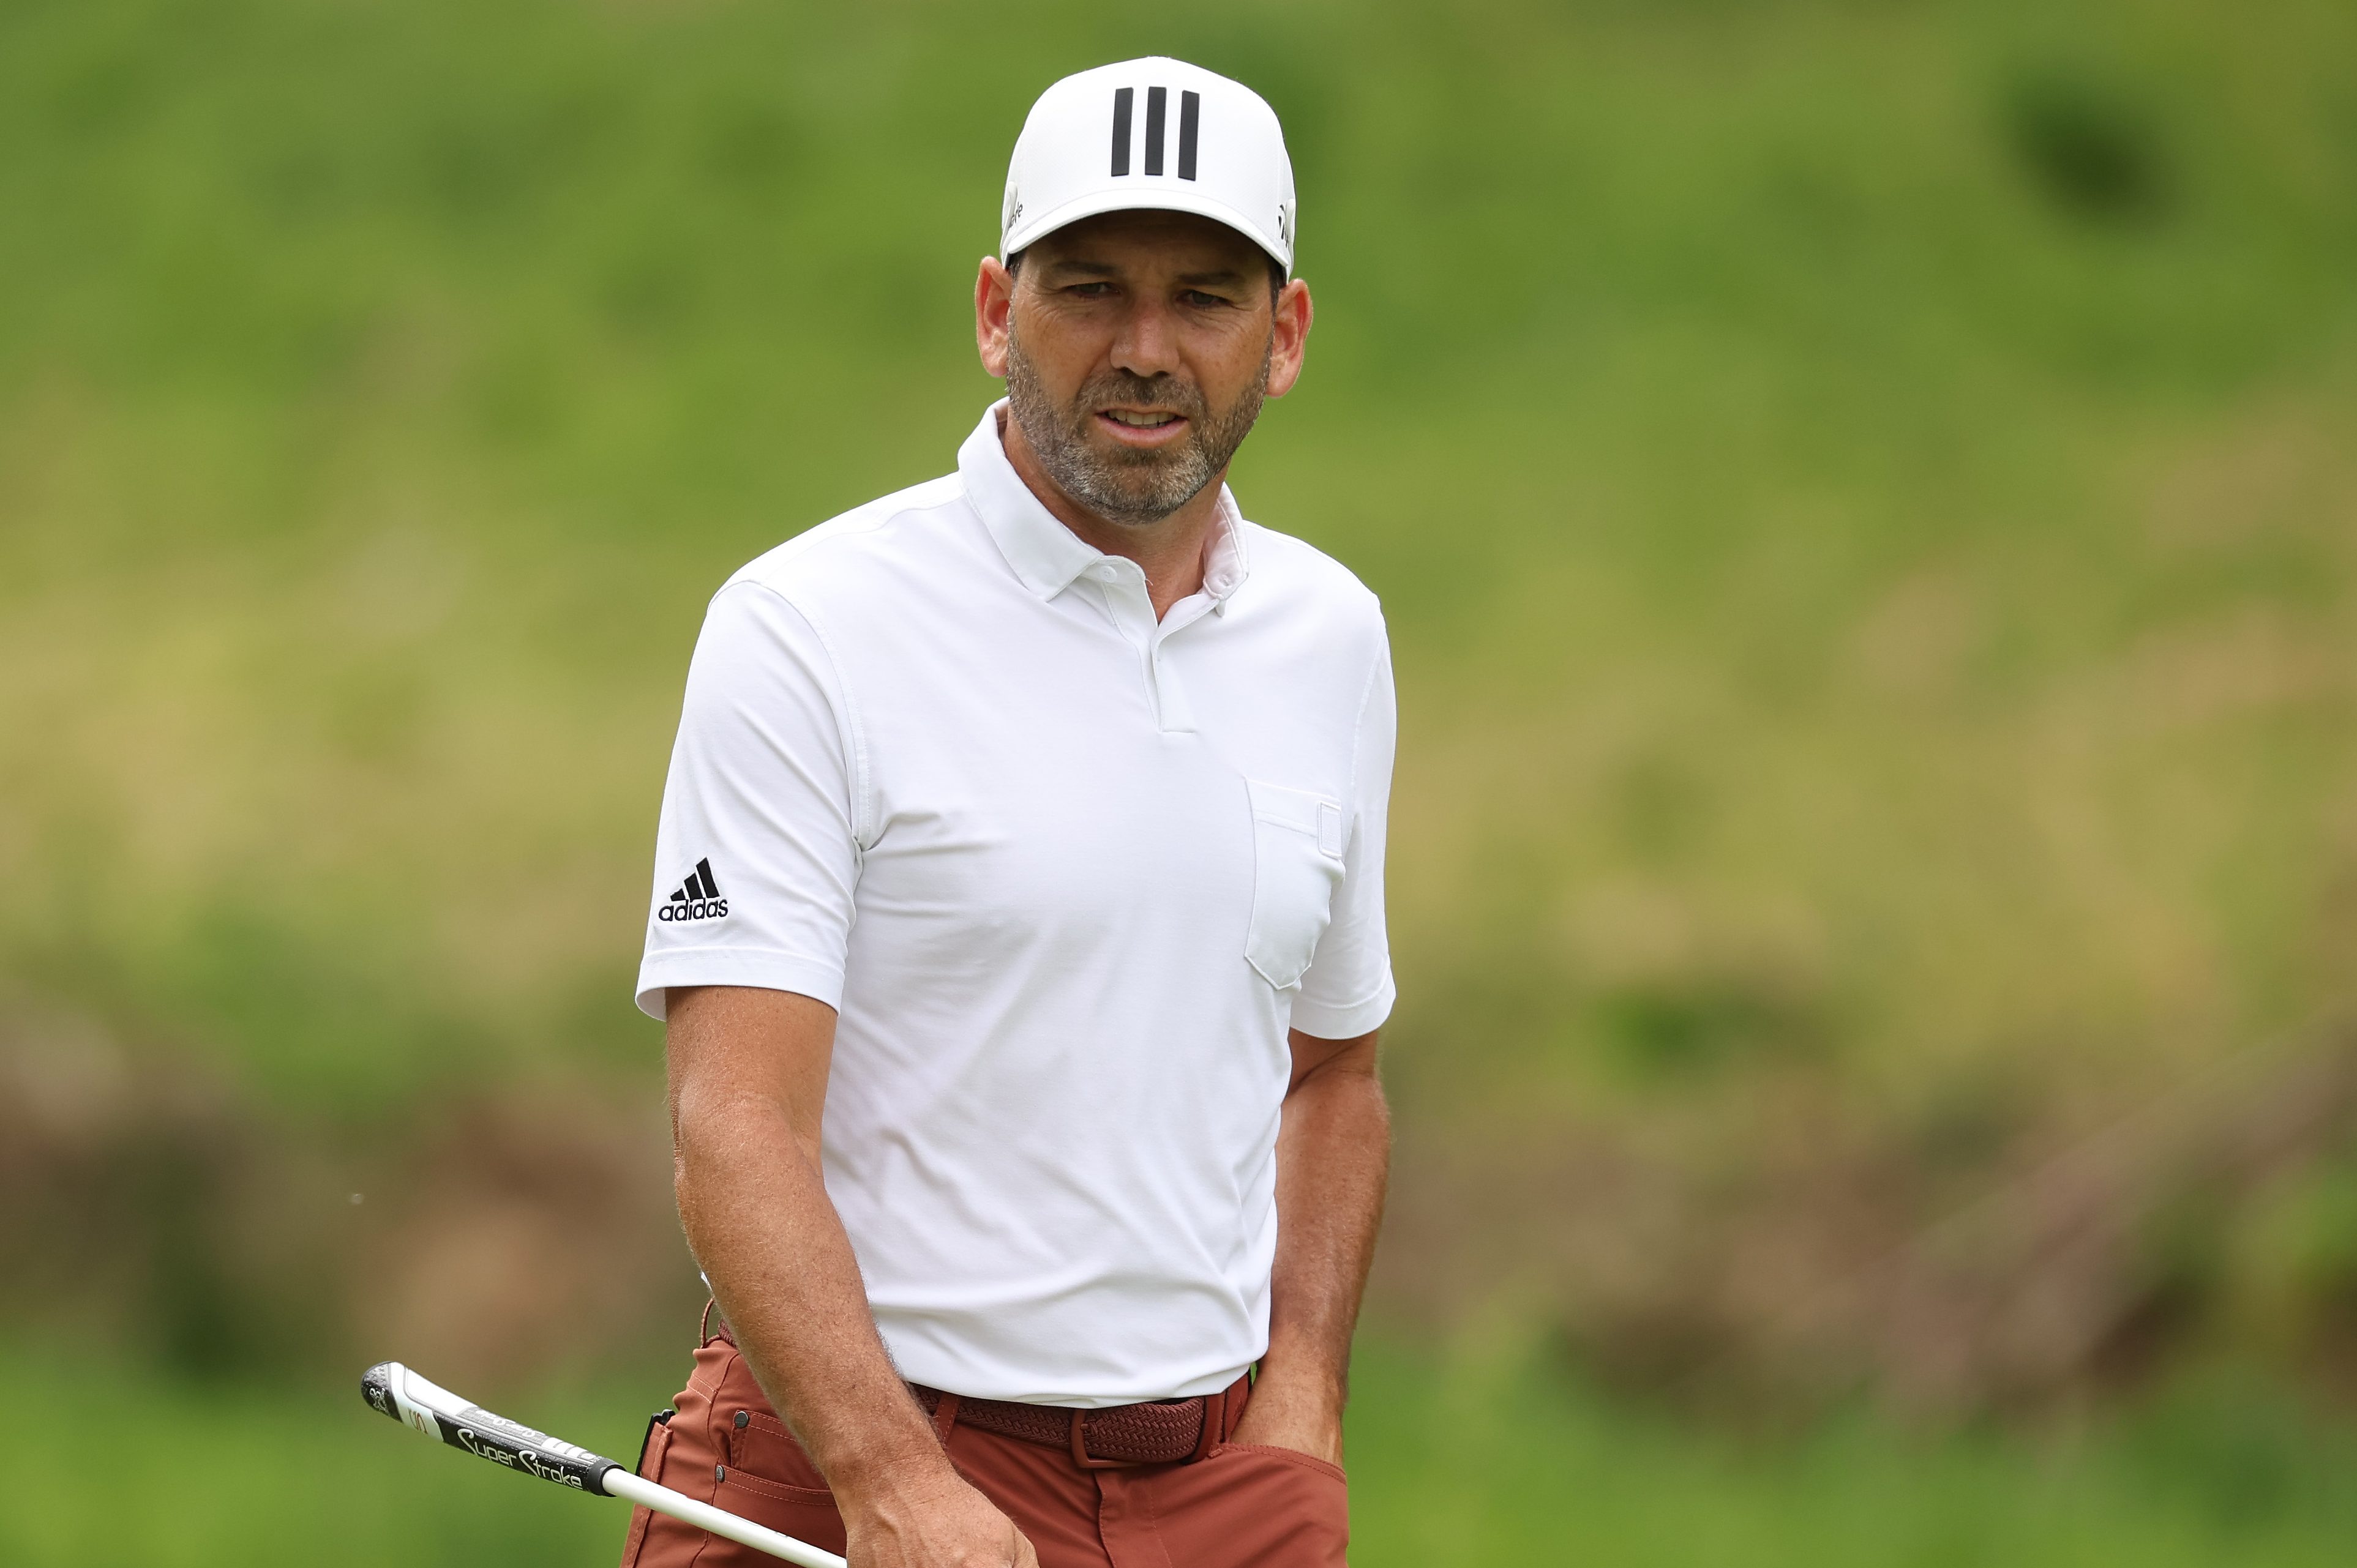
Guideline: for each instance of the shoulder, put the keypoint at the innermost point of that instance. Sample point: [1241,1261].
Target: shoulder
[785,609]
[1303,582]
[863,549]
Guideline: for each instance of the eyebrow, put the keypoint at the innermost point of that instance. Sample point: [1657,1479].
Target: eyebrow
[1074,267]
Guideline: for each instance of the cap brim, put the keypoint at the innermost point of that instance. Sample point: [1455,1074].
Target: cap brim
[1147,199]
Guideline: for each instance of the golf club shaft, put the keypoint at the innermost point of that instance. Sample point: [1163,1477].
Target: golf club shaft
[720,1522]
[394,1389]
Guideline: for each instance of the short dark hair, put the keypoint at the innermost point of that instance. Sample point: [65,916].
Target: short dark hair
[1014,265]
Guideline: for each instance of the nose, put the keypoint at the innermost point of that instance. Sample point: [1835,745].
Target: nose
[1148,342]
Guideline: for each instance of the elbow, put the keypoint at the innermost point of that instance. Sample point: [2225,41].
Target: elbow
[718,1139]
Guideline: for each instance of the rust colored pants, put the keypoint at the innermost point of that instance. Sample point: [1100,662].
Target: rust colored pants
[1240,1506]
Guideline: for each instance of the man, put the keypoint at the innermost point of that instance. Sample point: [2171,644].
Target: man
[1019,926]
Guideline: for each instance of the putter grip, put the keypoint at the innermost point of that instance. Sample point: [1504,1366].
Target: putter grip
[394,1389]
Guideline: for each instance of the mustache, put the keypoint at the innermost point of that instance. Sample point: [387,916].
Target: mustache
[1161,392]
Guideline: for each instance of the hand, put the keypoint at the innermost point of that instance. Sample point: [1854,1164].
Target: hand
[939,1521]
[1304,1414]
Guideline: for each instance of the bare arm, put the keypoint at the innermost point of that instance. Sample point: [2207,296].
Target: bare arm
[749,1073]
[1333,1151]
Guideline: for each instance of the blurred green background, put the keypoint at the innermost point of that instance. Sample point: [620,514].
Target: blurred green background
[1866,498]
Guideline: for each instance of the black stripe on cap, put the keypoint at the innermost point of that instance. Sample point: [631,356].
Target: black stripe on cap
[1157,99]
[1122,99]
[1190,112]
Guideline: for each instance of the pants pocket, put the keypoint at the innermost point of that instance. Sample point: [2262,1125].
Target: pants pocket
[1250,1505]
[763,1473]
[758,1449]
[806,1513]
[650,1458]
[1270,1452]
[704,1454]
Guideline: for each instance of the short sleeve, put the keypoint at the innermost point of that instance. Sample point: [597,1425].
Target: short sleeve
[1348,990]
[756,854]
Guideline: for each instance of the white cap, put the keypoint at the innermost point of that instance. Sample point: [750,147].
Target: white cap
[1150,133]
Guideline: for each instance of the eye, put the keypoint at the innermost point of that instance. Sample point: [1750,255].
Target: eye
[1197,298]
[1098,289]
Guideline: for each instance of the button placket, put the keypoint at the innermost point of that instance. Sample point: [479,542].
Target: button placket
[1175,714]
[1172,712]
[1122,589]
[1133,614]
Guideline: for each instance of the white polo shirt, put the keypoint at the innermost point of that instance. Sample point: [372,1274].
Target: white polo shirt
[1067,874]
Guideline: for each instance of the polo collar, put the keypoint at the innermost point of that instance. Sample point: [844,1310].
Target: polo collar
[1048,557]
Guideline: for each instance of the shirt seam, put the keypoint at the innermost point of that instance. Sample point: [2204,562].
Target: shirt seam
[662,953]
[1369,1000]
[852,732]
[1358,745]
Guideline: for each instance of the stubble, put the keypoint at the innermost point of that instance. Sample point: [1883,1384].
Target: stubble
[1123,485]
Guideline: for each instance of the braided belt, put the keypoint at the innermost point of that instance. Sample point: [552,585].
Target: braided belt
[1161,1432]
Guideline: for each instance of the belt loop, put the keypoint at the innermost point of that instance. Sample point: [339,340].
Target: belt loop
[945,1418]
[1238,1396]
[1080,1454]
[1215,1425]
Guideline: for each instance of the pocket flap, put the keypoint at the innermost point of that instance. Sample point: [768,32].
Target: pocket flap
[1302,810]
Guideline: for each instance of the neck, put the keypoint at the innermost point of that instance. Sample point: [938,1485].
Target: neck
[1169,551]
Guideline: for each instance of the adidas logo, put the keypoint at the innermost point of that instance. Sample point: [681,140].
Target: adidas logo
[697,898]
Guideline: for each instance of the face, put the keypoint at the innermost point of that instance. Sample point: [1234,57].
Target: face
[1136,347]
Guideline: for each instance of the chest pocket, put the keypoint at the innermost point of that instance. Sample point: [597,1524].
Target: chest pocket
[1296,865]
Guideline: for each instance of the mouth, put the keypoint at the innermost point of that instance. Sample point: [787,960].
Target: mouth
[1141,427]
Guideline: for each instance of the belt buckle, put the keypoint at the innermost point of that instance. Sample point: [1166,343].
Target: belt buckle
[1084,1458]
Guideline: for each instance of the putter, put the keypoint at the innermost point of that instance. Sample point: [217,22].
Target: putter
[394,1389]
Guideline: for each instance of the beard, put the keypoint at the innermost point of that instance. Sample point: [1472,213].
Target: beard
[1124,485]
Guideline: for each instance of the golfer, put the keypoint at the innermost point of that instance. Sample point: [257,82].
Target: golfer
[1019,926]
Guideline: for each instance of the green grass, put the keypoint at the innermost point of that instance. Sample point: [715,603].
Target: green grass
[114,1468]
[1858,492]
[1480,1464]
[1487,1463]
[1862,492]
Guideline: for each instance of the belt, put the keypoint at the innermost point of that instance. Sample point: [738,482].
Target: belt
[1158,1432]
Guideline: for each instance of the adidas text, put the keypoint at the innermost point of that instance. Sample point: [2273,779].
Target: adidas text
[697,898]
[697,909]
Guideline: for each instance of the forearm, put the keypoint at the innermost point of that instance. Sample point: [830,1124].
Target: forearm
[759,1219]
[1333,1156]
[749,1071]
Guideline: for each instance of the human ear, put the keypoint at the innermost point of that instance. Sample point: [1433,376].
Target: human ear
[994,297]
[1289,321]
